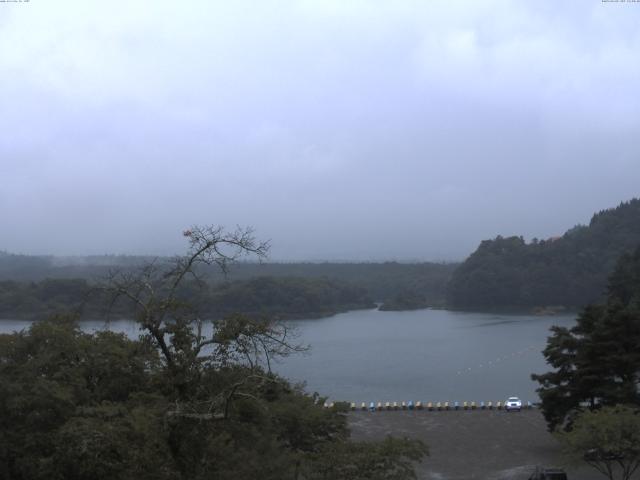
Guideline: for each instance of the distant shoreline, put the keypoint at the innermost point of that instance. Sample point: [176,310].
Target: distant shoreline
[328,314]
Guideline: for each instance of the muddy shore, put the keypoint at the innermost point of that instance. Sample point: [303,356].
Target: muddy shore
[479,444]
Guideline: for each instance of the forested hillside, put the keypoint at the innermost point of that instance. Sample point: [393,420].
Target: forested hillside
[32,285]
[570,270]
[278,297]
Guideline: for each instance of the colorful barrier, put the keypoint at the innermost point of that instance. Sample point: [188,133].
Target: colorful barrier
[428,406]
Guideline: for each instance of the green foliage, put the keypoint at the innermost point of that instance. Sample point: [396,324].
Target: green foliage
[74,404]
[22,295]
[571,270]
[607,439]
[287,297]
[182,402]
[282,297]
[597,362]
[405,301]
[97,406]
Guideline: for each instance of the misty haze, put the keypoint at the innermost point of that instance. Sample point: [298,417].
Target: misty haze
[320,239]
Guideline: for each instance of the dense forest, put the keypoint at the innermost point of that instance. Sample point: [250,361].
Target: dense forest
[177,403]
[32,286]
[567,271]
[284,297]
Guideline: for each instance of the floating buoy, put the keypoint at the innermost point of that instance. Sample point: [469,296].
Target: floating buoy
[372,407]
[465,405]
[490,405]
[456,406]
[446,405]
[387,406]
[419,405]
[430,406]
[363,406]
[353,405]
[499,405]
[404,406]
[410,405]
[473,405]
[482,406]
[439,406]
[395,405]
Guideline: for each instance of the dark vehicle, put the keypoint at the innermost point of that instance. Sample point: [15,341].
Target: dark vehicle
[548,474]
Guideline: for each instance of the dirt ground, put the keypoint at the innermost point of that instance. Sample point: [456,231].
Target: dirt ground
[478,444]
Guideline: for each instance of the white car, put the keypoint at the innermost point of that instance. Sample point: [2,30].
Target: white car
[513,403]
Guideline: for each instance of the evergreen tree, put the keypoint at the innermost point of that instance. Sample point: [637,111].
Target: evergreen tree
[597,362]
[570,270]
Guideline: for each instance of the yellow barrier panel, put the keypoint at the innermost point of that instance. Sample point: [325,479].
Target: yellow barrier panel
[473,405]
[466,405]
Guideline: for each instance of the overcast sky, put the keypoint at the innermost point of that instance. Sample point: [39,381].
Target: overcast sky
[361,130]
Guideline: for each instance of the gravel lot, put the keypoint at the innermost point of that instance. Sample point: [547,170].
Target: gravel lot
[478,444]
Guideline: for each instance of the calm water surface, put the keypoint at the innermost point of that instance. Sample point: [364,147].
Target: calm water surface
[427,355]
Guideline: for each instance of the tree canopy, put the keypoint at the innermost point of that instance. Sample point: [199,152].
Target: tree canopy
[596,362]
[189,399]
[607,439]
[570,270]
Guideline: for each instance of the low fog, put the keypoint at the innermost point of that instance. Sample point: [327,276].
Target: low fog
[338,130]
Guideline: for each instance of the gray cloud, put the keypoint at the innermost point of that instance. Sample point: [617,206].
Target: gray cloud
[350,130]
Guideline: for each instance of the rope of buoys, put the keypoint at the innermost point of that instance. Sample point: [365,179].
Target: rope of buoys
[497,360]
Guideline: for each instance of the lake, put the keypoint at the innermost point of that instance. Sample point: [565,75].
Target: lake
[426,355]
